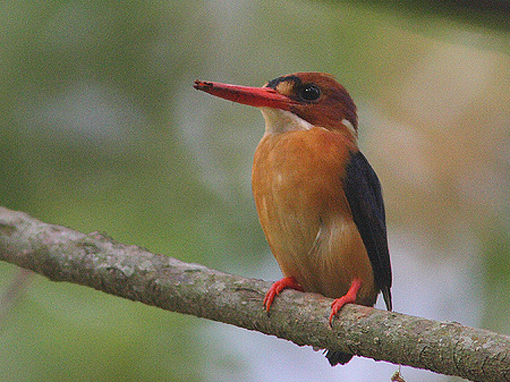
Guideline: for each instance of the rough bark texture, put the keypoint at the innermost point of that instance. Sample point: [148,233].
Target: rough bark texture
[94,260]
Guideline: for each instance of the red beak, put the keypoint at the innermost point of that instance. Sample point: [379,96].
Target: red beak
[247,95]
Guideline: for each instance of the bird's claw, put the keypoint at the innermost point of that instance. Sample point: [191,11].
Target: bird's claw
[348,298]
[277,287]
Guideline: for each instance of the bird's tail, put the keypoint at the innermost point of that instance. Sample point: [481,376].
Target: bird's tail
[336,357]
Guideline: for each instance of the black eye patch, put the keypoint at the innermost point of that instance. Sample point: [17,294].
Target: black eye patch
[274,83]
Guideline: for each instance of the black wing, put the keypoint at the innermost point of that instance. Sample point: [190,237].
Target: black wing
[363,191]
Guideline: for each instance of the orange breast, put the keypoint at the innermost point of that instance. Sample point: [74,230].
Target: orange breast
[298,188]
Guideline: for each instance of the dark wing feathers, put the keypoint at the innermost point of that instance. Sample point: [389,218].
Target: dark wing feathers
[363,191]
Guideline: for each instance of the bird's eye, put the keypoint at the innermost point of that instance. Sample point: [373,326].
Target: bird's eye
[309,92]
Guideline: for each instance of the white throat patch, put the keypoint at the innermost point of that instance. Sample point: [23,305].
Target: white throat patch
[279,121]
[350,127]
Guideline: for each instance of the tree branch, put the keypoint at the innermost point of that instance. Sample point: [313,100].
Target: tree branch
[94,260]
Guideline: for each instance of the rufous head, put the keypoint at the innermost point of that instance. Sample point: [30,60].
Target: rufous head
[296,101]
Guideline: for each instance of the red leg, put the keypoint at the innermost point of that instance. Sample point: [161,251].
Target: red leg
[349,298]
[277,287]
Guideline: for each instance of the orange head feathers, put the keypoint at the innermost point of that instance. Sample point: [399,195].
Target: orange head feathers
[316,98]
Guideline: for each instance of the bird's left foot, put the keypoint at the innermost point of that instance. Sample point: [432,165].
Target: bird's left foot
[349,298]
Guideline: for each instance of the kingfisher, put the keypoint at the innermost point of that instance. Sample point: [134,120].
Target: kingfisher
[318,199]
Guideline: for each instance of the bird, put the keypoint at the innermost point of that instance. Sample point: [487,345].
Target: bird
[318,199]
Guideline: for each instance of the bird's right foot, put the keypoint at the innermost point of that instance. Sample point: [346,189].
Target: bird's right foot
[277,287]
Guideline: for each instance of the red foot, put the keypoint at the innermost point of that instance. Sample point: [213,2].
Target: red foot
[349,298]
[277,287]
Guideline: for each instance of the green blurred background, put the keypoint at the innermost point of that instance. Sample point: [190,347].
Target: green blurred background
[101,130]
